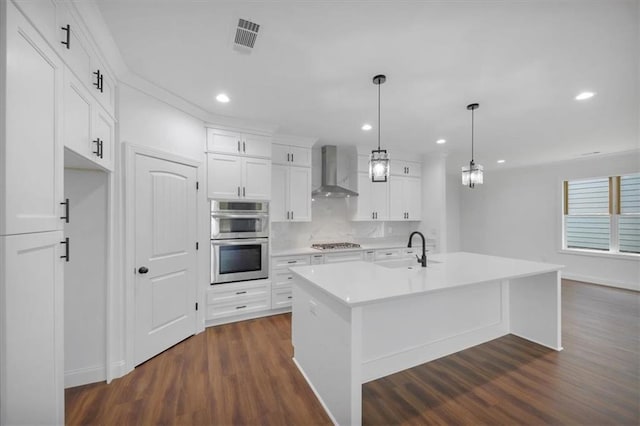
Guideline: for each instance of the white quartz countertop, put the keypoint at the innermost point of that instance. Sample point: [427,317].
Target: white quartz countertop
[365,246]
[357,283]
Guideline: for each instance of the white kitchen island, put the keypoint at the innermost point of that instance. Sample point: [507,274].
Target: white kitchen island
[358,321]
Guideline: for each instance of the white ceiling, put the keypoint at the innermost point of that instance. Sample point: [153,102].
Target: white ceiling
[311,69]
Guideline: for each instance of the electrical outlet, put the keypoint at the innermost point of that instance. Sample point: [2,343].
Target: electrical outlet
[313,308]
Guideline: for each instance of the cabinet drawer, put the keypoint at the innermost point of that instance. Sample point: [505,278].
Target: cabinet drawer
[369,255]
[281,298]
[226,293]
[238,308]
[350,256]
[282,278]
[411,251]
[285,262]
[317,259]
[387,254]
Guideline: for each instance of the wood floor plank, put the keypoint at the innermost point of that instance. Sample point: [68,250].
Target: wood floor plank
[243,374]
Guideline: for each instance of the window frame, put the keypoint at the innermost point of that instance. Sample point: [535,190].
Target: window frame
[614,215]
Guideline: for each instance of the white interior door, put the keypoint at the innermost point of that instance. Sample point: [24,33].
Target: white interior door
[165,256]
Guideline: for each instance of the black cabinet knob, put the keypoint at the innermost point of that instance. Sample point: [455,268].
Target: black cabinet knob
[143,270]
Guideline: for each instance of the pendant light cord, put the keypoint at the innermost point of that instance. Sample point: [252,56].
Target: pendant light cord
[472,111]
[379,116]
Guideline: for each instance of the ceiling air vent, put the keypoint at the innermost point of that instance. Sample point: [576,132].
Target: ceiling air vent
[246,35]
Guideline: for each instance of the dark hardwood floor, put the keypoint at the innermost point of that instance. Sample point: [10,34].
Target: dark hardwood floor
[242,374]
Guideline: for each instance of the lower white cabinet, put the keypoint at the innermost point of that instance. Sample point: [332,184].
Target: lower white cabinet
[226,300]
[283,279]
[345,256]
[32,358]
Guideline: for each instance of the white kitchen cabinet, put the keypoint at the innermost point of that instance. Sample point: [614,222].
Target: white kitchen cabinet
[405,198]
[88,129]
[345,256]
[31,362]
[372,202]
[386,254]
[291,190]
[291,155]
[31,153]
[283,279]
[406,168]
[228,142]
[232,299]
[231,177]
[42,14]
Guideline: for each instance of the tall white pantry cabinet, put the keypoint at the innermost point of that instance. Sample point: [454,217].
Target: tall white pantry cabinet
[31,228]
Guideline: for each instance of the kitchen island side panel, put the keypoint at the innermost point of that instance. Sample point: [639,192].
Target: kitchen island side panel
[326,337]
[535,306]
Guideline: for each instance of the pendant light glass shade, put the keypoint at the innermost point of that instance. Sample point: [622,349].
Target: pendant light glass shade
[379,165]
[472,175]
[379,159]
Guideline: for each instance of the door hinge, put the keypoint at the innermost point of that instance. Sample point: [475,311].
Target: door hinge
[197,245]
[196,306]
[197,186]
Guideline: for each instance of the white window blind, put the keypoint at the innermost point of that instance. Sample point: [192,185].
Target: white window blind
[588,219]
[629,219]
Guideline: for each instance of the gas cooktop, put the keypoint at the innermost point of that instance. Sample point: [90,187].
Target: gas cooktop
[334,246]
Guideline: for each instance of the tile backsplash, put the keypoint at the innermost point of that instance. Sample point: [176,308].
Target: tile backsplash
[331,223]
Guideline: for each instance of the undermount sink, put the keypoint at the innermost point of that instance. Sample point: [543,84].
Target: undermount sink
[409,263]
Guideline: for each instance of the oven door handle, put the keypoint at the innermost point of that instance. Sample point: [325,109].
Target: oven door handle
[240,216]
[239,243]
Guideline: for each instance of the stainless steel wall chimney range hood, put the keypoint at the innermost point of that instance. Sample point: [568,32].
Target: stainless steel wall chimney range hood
[329,187]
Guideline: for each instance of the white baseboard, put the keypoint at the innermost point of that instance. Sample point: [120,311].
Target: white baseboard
[602,281]
[118,369]
[244,317]
[84,376]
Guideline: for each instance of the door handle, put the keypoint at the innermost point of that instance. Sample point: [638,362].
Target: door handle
[143,270]
[67,43]
[66,249]
[66,208]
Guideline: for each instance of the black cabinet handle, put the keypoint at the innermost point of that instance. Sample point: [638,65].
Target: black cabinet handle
[240,292]
[101,148]
[241,307]
[67,43]
[97,151]
[244,191]
[238,146]
[292,157]
[143,270]
[99,80]
[244,147]
[238,191]
[66,249]
[288,156]
[292,261]
[66,210]
[289,297]
[291,214]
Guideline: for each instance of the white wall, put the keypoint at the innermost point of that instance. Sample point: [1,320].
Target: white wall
[518,213]
[434,204]
[85,277]
[145,120]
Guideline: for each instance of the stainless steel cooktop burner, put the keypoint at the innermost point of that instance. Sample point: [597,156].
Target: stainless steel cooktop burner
[334,246]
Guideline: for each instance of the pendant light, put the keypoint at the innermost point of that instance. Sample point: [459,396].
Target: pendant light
[379,160]
[472,175]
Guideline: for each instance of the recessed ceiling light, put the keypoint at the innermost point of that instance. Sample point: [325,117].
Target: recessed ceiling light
[585,95]
[500,161]
[441,141]
[222,98]
[366,126]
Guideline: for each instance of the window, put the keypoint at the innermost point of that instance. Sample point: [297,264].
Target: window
[603,214]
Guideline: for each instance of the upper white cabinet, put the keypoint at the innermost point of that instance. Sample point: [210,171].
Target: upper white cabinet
[231,177]
[227,142]
[291,184]
[291,194]
[31,154]
[88,130]
[291,155]
[372,202]
[405,198]
[60,27]
[406,168]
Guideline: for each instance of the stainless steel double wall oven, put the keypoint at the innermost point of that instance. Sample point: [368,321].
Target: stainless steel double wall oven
[239,241]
